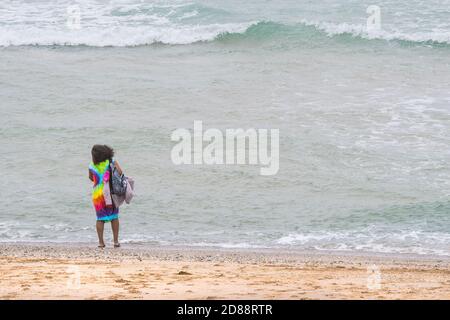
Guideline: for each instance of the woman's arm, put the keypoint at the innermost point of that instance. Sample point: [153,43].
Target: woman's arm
[90,176]
[119,169]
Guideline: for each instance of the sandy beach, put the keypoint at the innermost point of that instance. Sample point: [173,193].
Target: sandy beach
[49,271]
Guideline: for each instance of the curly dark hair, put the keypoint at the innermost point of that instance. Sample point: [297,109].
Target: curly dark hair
[101,152]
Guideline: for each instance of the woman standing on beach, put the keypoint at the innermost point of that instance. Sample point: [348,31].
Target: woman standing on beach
[100,174]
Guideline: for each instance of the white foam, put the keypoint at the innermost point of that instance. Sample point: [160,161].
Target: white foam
[409,242]
[359,30]
[225,245]
[112,23]
[117,37]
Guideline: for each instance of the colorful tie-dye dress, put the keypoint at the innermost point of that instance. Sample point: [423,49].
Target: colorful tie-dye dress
[105,209]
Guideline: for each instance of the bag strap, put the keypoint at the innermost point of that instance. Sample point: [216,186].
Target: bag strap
[111,167]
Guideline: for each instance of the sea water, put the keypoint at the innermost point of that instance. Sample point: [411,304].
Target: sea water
[363,117]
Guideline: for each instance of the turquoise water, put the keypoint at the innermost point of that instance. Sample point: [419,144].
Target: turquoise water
[364,121]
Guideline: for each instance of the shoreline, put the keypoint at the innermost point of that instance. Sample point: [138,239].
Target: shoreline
[45,271]
[86,249]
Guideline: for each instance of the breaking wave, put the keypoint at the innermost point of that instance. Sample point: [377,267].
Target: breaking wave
[141,35]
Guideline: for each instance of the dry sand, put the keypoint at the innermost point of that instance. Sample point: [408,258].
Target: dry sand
[49,271]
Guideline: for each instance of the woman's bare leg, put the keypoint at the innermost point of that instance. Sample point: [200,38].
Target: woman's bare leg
[100,227]
[115,229]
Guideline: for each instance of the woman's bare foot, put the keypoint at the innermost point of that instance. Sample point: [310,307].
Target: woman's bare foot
[101,245]
[116,245]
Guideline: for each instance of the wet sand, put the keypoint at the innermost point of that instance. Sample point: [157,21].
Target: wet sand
[80,271]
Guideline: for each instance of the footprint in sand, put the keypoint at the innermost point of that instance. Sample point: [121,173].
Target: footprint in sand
[121,280]
[184,273]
